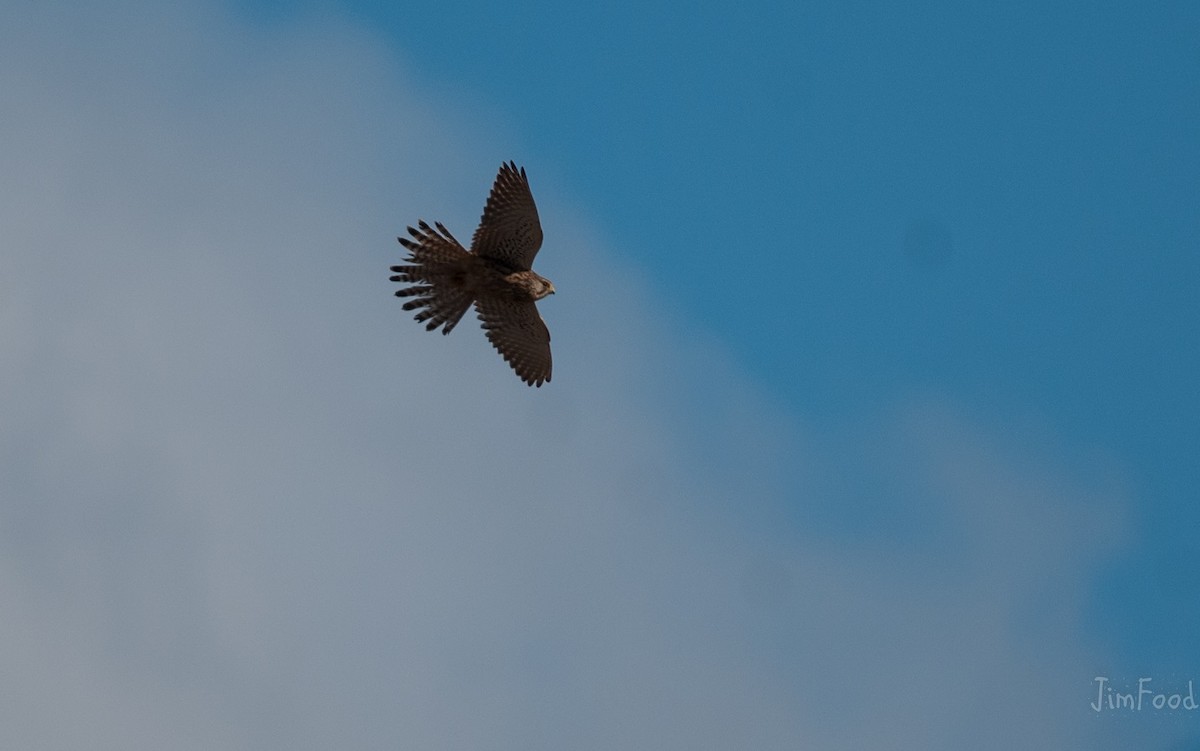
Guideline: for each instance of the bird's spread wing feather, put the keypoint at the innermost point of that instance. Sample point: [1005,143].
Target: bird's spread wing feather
[518,333]
[509,230]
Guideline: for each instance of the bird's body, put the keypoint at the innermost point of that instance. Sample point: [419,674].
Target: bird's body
[494,275]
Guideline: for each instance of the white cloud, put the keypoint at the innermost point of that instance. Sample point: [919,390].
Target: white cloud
[249,504]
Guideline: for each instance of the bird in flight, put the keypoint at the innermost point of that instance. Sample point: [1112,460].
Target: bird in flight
[494,274]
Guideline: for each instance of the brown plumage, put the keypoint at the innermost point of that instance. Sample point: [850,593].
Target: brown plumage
[495,275]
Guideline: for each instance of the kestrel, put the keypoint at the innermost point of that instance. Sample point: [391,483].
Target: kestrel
[494,274]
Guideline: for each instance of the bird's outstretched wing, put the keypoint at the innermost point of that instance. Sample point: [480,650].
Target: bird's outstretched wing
[518,333]
[509,230]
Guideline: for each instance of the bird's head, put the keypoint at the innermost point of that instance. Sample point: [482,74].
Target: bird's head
[542,287]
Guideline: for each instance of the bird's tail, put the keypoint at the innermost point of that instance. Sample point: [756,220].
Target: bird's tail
[437,268]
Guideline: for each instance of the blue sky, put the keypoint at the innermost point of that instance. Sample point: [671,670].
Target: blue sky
[873,423]
[764,165]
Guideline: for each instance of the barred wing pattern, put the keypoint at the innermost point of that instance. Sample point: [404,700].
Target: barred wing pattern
[509,231]
[518,333]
